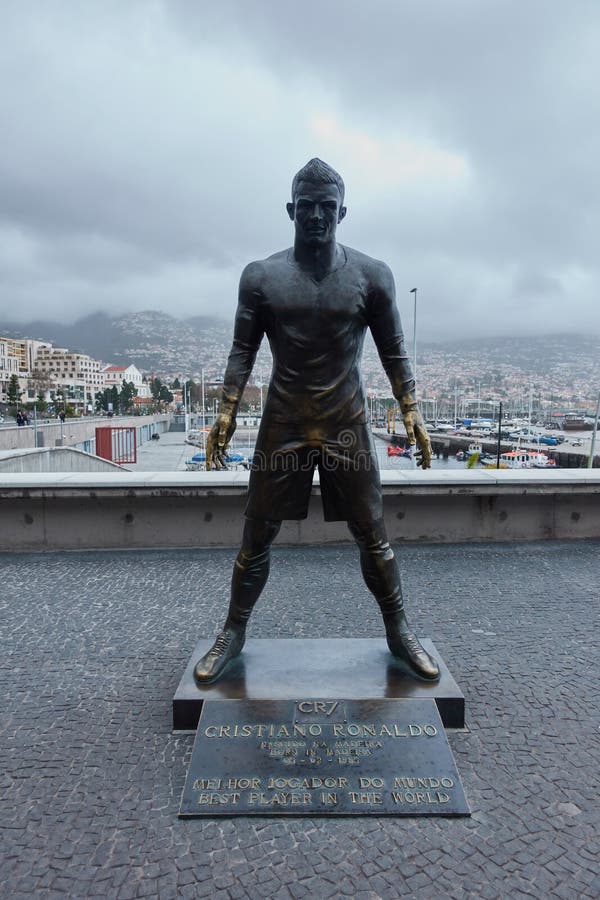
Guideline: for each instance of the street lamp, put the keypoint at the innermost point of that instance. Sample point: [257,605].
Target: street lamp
[595,431]
[414,291]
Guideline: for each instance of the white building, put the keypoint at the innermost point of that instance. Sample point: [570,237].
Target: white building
[14,360]
[77,375]
[114,376]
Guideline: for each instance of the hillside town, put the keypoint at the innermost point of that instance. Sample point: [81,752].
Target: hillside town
[160,357]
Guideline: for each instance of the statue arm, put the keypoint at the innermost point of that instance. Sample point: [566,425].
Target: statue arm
[247,335]
[384,322]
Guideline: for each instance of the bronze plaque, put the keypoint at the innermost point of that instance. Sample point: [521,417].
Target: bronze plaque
[322,757]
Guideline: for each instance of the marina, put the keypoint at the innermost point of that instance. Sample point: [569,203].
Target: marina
[174,452]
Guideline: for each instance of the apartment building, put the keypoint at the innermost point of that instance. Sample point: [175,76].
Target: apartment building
[77,375]
[13,361]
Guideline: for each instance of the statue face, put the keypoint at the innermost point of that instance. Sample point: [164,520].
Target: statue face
[316,212]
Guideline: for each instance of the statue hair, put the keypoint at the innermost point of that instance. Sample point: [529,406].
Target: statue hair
[318,172]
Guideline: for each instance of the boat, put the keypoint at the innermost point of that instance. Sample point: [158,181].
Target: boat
[525,459]
[515,459]
[196,436]
[541,461]
[233,459]
[399,451]
[196,463]
[574,422]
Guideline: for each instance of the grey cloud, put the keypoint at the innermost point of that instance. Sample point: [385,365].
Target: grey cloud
[532,283]
[148,151]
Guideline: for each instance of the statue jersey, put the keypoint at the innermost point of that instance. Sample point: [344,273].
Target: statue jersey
[316,331]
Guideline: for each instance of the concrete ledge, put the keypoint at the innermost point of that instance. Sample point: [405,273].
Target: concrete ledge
[406,480]
[204,509]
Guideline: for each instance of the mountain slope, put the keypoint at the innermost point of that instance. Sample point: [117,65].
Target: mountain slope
[160,343]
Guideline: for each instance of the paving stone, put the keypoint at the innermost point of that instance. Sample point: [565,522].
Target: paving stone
[92,646]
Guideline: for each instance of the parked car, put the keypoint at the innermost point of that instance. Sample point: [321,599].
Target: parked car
[548,439]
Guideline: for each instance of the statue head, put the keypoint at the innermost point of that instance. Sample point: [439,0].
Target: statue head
[317,205]
[318,172]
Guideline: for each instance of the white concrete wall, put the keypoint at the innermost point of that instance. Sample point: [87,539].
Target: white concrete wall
[74,431]
[54,460]
[205,509]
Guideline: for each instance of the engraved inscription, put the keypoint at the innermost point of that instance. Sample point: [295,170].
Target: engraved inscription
[322,756]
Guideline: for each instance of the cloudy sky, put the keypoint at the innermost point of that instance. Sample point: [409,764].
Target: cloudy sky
[148,148]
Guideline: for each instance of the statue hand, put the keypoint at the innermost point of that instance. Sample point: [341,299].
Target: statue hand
[417,434]
[219,437]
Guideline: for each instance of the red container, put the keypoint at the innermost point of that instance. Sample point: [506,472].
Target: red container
[118,444]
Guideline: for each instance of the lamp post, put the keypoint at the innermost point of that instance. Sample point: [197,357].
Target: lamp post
[186,420]
[455,403]
[593,441]
[414,291]
[203,419]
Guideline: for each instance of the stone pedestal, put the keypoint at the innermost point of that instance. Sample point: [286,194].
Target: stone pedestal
[292,669]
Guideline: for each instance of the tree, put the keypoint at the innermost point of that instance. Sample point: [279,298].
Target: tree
[107,400]
[59,399]
[165,395]
[160,392]
[14,391]
[40,404]
[128,392]
[176,384]
[193,393]
[101,400]
[155,388]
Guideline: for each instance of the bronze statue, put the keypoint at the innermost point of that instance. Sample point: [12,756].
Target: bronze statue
[314,302]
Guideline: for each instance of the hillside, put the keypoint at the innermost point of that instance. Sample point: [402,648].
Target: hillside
[159,343]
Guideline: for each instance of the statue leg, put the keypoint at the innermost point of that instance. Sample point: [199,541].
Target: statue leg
[250,574]
[382,577]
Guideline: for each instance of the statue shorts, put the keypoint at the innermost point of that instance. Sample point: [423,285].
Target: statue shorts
[284,461]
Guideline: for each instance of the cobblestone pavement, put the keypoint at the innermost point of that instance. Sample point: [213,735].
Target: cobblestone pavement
[93,646]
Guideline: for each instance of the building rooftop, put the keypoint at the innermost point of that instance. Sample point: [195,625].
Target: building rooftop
[93,647]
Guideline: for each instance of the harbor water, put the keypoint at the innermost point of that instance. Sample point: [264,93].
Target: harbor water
[171,453]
